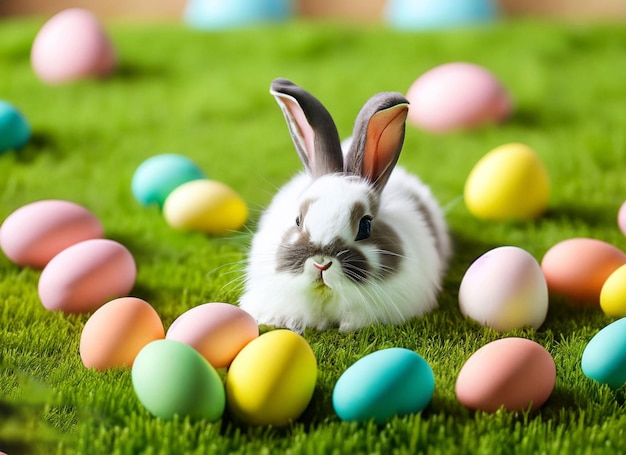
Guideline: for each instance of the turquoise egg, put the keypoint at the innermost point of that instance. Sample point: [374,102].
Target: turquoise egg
[604,358]
[14,129]
[382,384]
[159,175]
[171,378]
[435,14]
[219,14]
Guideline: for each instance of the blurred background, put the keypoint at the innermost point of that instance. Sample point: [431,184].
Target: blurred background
[354,10]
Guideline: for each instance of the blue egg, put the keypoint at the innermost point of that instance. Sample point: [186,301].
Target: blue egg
[382,384]
[434,14]
[220,14]
[159,175]
[14,129]
[604,358]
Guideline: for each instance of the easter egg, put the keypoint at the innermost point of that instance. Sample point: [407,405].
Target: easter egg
[155,178]
[604,357]
[218,14]
[84,276]
[508,183]
[505,289]
[613,293]
[171,378]
[272,379]
[116,332]
[218,331]
[206,206]
[434,14]
[577,268]
[72,45]
[394,381]
[515,373]
[34,233]
[621,218]
[14,129]
[456,96]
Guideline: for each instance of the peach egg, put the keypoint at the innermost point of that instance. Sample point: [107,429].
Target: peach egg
[514,373]
[34,233]
[577,268]
[457,95]
[72,45]
[218,331]
[117,331]
[84,276]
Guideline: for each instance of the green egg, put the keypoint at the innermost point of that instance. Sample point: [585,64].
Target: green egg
[171,378]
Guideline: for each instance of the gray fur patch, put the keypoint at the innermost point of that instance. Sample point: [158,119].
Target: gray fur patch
[428,219]
[389,247]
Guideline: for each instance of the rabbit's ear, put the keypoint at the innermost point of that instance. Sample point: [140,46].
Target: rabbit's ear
[378,138]
[312,128]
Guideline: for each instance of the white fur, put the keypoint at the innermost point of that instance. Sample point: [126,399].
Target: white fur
[291,300]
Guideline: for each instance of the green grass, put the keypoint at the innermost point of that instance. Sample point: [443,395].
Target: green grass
[206,96]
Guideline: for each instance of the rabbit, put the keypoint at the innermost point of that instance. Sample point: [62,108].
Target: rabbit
[354,240]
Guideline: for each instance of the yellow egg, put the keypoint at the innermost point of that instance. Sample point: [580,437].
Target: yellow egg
[206,206]
[508,183]
[613,294]
[272,379]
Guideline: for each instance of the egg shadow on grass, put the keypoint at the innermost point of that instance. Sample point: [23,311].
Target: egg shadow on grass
[40,143]
[131,71]
[596,216]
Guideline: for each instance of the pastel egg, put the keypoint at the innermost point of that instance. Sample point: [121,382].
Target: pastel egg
[604,357]
[394,381]
[205,206]
[116,332]
[84,276]
[218,331]
[514,373]
[577,268]
[171,379]
[272,379]
[505,289]
[155,178]
[34,233]
[72,45]
[14,128]
[456,96]
[508,183]
[613,293]
[621,218]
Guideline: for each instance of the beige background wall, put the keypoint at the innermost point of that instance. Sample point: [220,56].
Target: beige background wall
[358,10]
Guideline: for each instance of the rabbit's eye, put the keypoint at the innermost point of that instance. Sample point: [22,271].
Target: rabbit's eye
[365,228]
[298,221]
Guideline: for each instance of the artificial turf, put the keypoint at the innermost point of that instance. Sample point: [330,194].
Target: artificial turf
[205,95]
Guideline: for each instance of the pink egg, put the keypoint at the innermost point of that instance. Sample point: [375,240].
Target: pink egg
[117,331]
[578,268]
[72,45]
[621,218]
[84,276]
[505,289]
[33,234]
[514,373]
[217,330]
[457,96]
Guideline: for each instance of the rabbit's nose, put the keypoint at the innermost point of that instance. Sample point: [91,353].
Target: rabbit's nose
[322,267]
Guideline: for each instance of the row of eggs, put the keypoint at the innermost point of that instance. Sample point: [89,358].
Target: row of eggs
[270,378]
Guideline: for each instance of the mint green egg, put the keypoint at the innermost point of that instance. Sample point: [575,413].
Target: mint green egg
[171,378]
[382,384]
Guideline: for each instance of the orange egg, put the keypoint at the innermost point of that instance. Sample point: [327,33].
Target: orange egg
[577,268]
[117,331]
